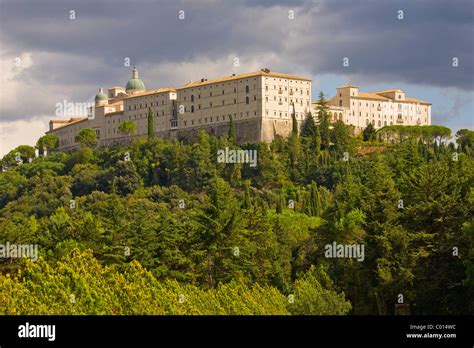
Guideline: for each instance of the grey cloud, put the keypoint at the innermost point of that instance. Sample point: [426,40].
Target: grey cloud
[89,51]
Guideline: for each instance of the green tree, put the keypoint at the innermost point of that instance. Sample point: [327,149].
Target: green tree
[315,208]
[341,138]
[323,121]
[21,153]
[231,134]
[369,133]
[127,128]
[294,122]
[465,139]
[151,126]
[86,137]
[125,179]
[309,127]
[48,142]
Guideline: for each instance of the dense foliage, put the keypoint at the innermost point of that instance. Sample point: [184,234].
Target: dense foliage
[163,228]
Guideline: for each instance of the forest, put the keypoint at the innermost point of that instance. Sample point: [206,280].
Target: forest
[163,227]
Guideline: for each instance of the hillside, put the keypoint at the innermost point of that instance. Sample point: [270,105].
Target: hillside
[165,228]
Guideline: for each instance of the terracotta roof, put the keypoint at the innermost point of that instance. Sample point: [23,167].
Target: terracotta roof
[374,96]
[161,90]
[363,95]
[348,86]
[113,113]
[117,103]
[389,90]
[413,100]
[242,76]
[71,121]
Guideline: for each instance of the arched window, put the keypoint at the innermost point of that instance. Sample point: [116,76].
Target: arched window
[192,97]
[247,89]
[367,122]
[384,123]
[379,123]
[330,116]
[340,116]
[340,102]
[247,100]
[192,108]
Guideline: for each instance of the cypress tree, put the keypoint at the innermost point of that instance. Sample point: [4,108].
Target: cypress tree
[317,141]
[151,130]
[323,120]
[232,135]
[294,123]
[314,200]
[309,127]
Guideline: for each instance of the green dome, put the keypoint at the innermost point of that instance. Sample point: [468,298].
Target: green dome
[101,95]
[135,84]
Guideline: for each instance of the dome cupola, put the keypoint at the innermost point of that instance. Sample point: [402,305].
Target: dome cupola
[134,85]
[101,98]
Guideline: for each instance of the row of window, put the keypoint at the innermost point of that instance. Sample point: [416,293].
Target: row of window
[280,113]
[400,106]
[140,106]
[280,100]
[280,90]
[378,115]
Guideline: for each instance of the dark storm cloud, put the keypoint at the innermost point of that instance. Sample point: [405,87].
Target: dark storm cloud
[89,51]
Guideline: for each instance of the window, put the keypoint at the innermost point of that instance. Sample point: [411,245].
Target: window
[247,89]
[247,100]
[192,98]
[340,102]
[192,108]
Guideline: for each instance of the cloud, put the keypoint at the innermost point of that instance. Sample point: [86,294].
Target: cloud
[70,59]
[21,132]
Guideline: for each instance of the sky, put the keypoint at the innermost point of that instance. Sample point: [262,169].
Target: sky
[56,51]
